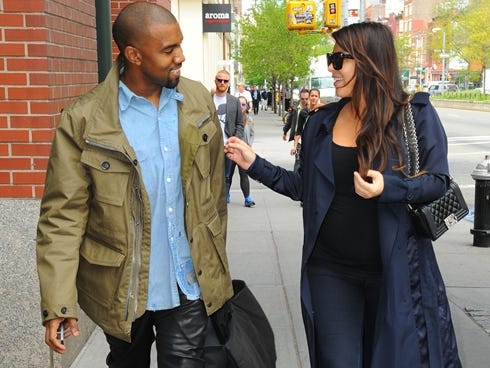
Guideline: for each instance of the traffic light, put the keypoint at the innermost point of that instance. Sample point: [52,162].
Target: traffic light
[301,15]
[332,13]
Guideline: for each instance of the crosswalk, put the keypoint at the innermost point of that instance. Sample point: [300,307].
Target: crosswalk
[469,140]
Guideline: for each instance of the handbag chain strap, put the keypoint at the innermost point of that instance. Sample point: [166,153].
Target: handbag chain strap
[410,137]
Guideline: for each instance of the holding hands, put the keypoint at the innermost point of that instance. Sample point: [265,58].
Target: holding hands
[240,152]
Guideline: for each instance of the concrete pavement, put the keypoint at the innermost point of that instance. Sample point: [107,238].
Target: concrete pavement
[264,248]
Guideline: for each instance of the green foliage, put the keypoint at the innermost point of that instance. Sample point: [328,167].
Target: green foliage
[465,26]
[469,95]
[474,24]
[268,50]
[403,50]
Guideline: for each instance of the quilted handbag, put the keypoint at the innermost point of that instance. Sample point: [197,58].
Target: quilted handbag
[433,219]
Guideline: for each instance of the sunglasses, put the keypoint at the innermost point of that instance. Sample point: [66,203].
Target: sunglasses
[222,80]
[337,59]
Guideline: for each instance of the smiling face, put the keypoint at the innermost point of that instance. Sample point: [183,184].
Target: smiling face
[158,55]
[344,77]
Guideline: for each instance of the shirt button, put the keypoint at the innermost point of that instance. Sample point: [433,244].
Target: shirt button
[199,272]
[45,313]
[209,305]
[64,310]
[169,180]
[105,165]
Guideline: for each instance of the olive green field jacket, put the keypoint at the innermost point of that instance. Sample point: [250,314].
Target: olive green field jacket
[93,238]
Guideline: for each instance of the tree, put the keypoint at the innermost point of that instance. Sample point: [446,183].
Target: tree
[464,25]
[267,50]
[403,50]
[473,23]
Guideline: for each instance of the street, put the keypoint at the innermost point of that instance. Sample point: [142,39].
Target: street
[468,135]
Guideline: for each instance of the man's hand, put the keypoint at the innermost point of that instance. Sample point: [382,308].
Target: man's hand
[53,336]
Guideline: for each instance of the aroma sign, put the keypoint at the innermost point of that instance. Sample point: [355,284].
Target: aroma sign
[216,17]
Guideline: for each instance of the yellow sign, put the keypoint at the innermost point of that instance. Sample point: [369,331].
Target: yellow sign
[301,15]
[332,13]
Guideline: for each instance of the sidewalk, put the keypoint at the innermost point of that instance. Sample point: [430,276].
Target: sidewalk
[264,249]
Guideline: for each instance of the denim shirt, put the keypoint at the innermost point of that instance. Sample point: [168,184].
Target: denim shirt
[153,134]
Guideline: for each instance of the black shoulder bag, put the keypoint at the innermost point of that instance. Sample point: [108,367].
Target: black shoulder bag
[431,220]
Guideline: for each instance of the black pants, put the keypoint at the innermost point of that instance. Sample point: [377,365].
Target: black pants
[180,336]
[244,182]
[344,313]
[255,104]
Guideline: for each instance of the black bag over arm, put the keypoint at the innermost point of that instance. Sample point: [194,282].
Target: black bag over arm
[240,335]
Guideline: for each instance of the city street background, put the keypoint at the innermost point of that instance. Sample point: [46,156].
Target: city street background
[264,248]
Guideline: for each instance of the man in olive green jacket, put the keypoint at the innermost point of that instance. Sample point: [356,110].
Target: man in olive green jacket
[94,233]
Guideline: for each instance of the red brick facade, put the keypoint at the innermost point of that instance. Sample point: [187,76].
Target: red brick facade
[48,57]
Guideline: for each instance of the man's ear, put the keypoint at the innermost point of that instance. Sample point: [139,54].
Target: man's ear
[132,55]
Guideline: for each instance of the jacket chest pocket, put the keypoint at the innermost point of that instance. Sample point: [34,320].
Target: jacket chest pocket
[203,156]
[110,177]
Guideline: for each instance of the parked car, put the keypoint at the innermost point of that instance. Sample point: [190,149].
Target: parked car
[438,88]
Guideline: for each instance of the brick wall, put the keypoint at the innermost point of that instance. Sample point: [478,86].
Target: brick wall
[48,57]
[117,5]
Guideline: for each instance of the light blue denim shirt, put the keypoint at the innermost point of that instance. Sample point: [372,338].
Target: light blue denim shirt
[154,136]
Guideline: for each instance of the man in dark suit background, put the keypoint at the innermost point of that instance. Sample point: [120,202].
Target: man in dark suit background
[255,99]
[293,121]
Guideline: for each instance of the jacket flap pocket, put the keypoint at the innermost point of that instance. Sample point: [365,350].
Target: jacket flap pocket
[100,255]
[104,163]
[215,226]
[110,176]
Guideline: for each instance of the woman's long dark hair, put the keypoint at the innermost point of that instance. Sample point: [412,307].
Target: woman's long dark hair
[378,95]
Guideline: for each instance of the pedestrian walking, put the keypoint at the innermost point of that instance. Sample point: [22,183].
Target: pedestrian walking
[231,120]
[294,122]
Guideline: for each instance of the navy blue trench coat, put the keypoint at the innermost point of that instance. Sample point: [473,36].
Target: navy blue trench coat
[413,327]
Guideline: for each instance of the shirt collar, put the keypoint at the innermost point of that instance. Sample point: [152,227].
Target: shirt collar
[126,95]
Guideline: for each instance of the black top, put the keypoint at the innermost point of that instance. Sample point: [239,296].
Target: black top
[348,236]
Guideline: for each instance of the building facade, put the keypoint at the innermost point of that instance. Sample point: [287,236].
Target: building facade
[48,58]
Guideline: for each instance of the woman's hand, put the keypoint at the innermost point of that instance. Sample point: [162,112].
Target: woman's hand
[240,152]
[369,189]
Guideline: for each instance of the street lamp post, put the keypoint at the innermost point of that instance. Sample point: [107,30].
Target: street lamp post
[443,54]
[443,57]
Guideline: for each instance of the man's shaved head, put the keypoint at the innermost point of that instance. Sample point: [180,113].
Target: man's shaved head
[132,22]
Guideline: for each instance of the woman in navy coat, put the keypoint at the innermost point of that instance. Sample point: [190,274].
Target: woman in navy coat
[371,291]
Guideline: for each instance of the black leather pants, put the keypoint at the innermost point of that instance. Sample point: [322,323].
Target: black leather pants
[180,335]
